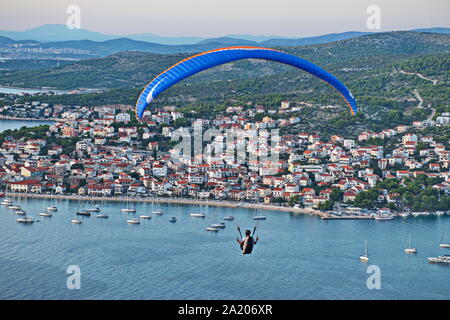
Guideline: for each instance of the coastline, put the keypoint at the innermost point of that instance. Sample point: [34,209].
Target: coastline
[2,117]
[228,204]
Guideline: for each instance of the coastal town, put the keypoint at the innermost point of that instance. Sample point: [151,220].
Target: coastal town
[105,152]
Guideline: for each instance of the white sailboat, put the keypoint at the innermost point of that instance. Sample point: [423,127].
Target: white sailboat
[445,243]
[365,256]
[410,249]
[128,208]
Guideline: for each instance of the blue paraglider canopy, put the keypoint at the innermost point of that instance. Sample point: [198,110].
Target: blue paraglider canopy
[209,59]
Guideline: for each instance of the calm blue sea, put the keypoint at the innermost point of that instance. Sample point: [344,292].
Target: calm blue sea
[298,257]
[17,124]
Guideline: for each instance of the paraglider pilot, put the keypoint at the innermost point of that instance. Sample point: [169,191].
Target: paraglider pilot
[247,242]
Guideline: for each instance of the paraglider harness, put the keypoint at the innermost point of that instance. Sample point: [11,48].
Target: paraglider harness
[248,242]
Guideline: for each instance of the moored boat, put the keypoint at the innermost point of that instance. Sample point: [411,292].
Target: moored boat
[102,216]
[145,216]
[45,214]
[25,220]
[365,257]
[133,221]
[75,221]
[173,219]
[158,212]
[259,218]
[83,213]
[198,215]
[211,229]
[229,218]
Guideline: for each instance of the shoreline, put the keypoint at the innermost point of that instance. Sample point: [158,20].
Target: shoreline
[228,204]
[2,117]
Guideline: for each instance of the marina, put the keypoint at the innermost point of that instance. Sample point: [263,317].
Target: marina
[294,241]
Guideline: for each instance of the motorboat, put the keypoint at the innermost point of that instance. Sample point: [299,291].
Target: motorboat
[14,207]
[383,217]
[76,221]
[93,210]
[212,229]
[52,208]
[440,259]
[158,212]
[102,216]
[173,219]
[218,225]
[198,215]
[46,214]
[25,220]
[145,216]
[20,212]
[128,210]
[7,202]
[133,221]
[229,218]
[259,218]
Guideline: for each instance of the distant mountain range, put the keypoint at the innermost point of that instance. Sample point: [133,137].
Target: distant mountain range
[58,41]
[133,69]
[59,32]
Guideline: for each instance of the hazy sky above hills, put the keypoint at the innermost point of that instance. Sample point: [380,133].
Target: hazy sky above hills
[209,18]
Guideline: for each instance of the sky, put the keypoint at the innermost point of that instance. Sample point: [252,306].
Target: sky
[209,18]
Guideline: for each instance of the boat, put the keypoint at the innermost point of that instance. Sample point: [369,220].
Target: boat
[7,202]
[133,221]
[220,225]
[404,214]
[173,219]
[20,212]
[102,216]
[145,216]
[410,249]
[440,259]
[198,215]
[14,207]
[76,221]
[52,208]
[445,244]
[46,214]
[83,213]
[365,256]
[229,218]
[211,229]
[259,218]
[96,209]
[383,217]
[128,208]
[25,220]
[158,212]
